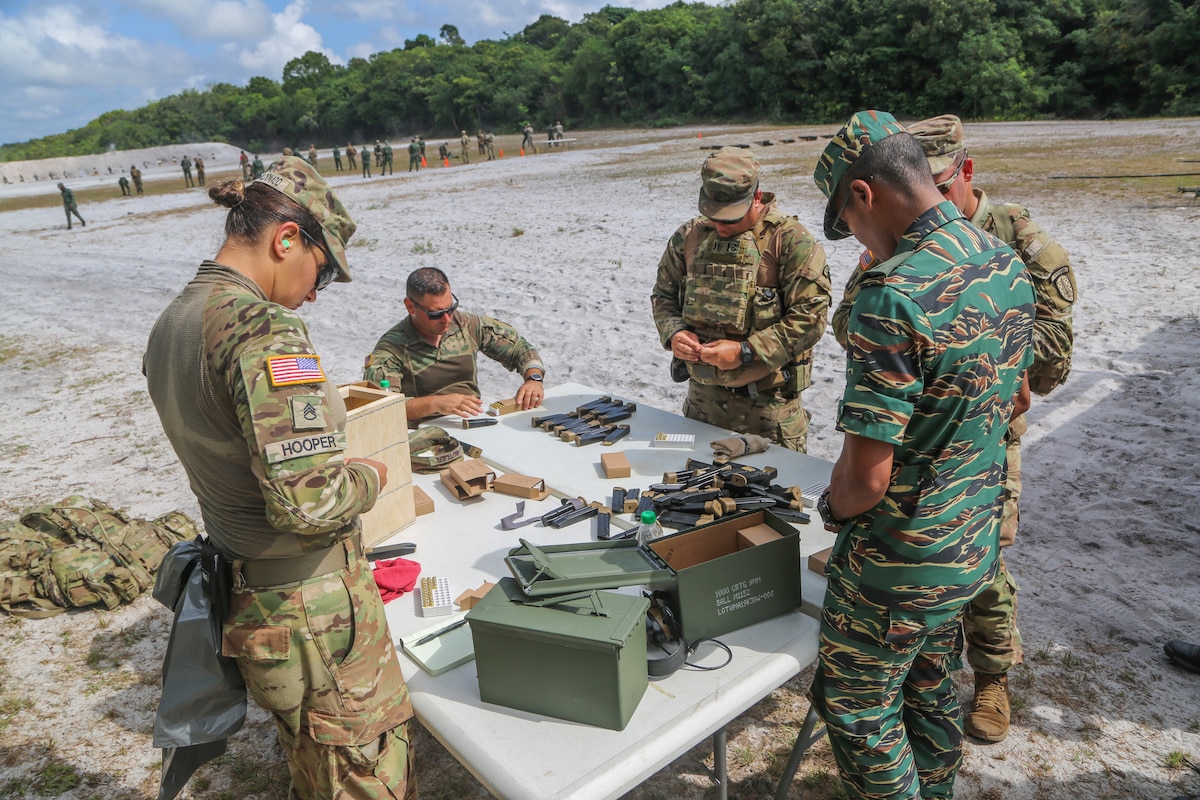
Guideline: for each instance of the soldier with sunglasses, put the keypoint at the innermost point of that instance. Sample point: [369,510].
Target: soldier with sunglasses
[244,399]
[430,354]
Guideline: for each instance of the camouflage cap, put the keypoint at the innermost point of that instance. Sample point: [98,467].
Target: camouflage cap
[861,131]
[942,140]
[729,179]
[300,182]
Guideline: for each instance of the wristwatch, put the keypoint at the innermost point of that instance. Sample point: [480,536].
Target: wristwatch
[537,376]
[747,353]
[832,523]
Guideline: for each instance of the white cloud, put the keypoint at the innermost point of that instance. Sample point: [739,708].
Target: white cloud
[55,47]
[289,38]
[376,10]
[223,20]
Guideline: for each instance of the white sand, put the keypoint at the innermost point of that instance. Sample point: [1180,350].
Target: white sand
[565,246]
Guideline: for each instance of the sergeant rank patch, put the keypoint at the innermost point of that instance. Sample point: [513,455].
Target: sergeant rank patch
[295,369]
[308,413]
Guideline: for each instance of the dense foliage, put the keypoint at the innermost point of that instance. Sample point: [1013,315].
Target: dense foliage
[783,60]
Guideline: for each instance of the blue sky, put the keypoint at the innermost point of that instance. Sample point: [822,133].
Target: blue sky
[65,62]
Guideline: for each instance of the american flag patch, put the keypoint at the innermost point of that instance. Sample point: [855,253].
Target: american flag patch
[291,370]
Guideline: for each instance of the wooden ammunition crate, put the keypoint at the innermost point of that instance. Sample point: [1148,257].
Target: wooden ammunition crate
[377,428]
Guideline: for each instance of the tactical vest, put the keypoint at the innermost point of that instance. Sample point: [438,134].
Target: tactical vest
[81,552]
[730,290]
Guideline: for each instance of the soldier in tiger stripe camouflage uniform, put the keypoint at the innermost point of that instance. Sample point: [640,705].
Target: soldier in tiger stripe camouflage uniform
[940,339]
[993,639]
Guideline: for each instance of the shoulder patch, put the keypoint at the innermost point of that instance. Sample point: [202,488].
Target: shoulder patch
[294,369]
[308,412]
[1061,280]
[302,446]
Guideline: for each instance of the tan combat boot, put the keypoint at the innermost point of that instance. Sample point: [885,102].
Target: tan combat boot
[989,714]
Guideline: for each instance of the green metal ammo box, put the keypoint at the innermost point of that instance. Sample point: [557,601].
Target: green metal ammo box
[580,656]
[732,573]
[719,577]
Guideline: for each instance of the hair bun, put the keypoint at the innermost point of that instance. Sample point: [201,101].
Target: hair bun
[228,193]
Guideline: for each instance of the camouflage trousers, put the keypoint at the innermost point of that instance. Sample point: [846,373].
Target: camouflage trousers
[990,620]
[73,209]
[319,657]
[772,414]
[884,691]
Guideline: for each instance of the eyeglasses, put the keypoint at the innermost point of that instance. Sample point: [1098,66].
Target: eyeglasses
[327,271]
[837,221]
[436,315]
[944,186]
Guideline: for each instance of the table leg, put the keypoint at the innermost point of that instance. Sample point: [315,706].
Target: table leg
[805,740]
[720,766]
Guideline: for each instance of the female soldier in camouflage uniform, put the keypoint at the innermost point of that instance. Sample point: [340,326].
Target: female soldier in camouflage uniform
[243,398]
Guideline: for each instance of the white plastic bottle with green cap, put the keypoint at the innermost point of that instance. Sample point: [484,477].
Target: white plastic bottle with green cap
[649,529]
[385,384]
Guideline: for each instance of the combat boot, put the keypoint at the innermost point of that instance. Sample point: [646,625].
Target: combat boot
[989,714]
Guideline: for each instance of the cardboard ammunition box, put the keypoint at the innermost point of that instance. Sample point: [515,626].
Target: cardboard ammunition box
[719,577]
[502,407]
[471,597]
[818,562]
[518,485]
[562,659]
[616,465]
[468,478]
[377,428]
[422,503]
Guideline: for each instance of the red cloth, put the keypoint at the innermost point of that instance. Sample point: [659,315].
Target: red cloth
[396,577]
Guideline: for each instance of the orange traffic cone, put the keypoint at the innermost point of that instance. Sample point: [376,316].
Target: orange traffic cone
[502,153]
[522,152]
[423,164]
[699,135]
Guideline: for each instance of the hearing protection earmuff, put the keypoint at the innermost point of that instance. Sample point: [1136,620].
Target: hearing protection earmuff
[664,632]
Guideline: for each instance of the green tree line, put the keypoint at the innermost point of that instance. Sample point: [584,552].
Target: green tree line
[797,61]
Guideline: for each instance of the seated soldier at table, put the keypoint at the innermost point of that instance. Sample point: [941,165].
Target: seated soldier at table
[430,354]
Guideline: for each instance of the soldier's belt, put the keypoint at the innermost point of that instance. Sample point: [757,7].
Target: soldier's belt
[281,571]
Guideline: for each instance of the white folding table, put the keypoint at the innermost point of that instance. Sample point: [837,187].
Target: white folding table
[524,756]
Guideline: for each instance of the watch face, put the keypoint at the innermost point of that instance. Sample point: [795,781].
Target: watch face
[825,511]
[537,377]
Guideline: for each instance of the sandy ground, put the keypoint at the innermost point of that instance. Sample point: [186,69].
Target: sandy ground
[564,246]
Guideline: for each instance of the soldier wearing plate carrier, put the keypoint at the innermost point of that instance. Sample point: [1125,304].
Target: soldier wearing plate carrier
[993,640]
[741,299]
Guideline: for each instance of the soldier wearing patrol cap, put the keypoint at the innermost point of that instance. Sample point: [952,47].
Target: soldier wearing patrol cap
[940,338]
[740,300]
[244,400]
[993,640]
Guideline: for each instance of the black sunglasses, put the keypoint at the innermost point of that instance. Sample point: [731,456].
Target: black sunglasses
[436,315]
[328,270]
